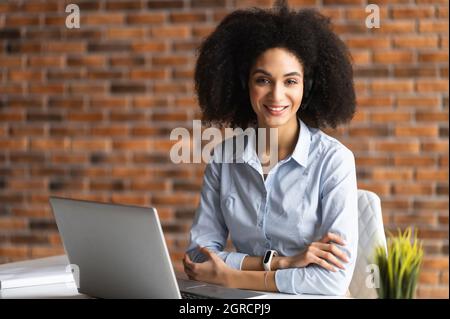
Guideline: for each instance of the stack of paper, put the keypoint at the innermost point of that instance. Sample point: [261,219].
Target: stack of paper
[38,275]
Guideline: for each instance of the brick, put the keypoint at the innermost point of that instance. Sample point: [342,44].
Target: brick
[412,12]
[124,88]
[86,60]
[374,101]
[85,116]
[369,131]
[130,172]
[412,189]
[25,75]
[393,57]
[100,158]
[21,20]
[146,18]
[14,144]
[405,220]
[432,175]
[432,292]
[392,86]
[415,42]
[395,204]
[125,33]
[381,189]
[123,116]
[45,144]
[18,252]
[436,146]
[429,277]
[11,89]
[360,14]
[396,174]
[435,204]
[112,185]
[169,88]
[108,47]
[430,131]
[66,47]
[149,46]
[61,75]
[123,5]
[54,88]
[182,17]
[418,102]
[372,160]
[46,61]
[414,161]
[175,32]
[208,4]
[426,26]
[173,199]
[12,116]
[10,61]
[132,145]
[170,60]
[90,144]
[432,117]
[96,19]
[148,74]
[45,251]
[433,233]
[16,184]
[432,85]
[127,61]
[368,43]
[9,33]
[392,27]
[26,157]
[414,72]
[202,31]
[371,71]
[13,223]
[110,130]
[87,88]
[387,146]
[69,158]
[361,57]
[166,4]
[130,199]
[149,185]
[390,117]
[104,74]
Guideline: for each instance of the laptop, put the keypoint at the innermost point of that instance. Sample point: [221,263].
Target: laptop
[120,252]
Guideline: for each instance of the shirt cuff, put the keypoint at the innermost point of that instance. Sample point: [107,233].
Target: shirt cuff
[234,260]
[284,280]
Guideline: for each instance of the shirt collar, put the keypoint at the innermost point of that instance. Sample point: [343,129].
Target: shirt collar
[300,153]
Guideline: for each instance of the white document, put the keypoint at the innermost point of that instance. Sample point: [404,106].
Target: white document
[38,275]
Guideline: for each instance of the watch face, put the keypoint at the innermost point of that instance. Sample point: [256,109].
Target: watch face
[266,257]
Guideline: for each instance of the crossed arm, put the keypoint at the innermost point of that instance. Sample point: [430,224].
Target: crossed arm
[252,275]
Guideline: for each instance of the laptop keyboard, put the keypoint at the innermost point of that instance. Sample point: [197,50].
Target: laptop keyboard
[187,295]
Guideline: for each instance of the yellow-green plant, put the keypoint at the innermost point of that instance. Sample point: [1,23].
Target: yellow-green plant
[399,267]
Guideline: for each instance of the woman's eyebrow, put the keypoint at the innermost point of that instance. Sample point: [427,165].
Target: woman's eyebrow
[268,74]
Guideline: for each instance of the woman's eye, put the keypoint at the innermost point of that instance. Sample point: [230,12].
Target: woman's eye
[262,81]
[292,82]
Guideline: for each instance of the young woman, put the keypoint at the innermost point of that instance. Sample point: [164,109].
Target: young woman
[294,228]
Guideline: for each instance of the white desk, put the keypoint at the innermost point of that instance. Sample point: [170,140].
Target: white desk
[69,290]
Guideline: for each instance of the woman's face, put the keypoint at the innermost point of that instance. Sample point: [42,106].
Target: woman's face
[276,87]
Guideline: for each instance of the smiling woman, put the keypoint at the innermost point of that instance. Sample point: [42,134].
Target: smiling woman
[284,70]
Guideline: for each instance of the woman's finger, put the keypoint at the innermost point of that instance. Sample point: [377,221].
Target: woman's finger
[333,249]
[327,256]
[321,262]
[333,237]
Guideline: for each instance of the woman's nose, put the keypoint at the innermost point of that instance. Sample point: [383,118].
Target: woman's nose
[277,92]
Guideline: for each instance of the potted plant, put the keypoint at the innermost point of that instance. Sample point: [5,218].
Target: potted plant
[399,266]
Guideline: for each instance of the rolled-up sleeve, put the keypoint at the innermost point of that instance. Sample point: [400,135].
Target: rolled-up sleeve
[339,209]
[209,229]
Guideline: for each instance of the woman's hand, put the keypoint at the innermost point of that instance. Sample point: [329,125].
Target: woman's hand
[213,270]
[323,253]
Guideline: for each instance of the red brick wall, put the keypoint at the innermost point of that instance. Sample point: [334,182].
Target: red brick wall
[87,113]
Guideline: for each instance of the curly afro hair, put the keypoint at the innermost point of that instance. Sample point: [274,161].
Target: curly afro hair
[226,56]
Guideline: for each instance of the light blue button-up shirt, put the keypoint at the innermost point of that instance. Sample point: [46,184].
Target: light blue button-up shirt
[311,192]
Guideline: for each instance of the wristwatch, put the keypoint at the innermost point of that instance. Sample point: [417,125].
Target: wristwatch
[267,260]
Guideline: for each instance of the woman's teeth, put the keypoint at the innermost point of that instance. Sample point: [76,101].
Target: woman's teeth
[276,109]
